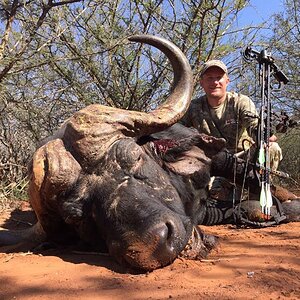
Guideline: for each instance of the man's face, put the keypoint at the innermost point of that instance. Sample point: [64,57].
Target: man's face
[214,82]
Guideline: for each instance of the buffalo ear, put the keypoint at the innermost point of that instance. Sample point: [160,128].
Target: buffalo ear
[188,162]
[192,164]
[210,145]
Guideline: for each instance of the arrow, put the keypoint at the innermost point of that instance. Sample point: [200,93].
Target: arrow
[265,198]
[262,198]
[269,200]
[261,154]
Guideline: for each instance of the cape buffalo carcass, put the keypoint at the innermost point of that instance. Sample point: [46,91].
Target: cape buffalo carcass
[98,179]
[115,179]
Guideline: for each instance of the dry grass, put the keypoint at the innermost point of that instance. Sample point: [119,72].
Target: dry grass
[12,193]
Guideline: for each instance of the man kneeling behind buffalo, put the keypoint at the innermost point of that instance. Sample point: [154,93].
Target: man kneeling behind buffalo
[227,115]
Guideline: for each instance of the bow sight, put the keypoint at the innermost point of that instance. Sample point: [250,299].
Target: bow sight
[263,58]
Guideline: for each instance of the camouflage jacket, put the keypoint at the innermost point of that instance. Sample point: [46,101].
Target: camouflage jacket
[234,120]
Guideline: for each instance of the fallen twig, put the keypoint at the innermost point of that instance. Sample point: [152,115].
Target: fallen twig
[22,222]
[90,253]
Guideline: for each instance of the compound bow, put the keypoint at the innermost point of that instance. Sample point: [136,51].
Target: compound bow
[267,68]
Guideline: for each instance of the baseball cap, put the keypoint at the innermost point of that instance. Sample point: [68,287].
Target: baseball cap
[213,63]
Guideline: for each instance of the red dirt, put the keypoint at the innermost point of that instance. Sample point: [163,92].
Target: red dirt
[249,264]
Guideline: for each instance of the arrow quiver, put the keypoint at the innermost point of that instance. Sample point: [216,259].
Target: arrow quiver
[267,68]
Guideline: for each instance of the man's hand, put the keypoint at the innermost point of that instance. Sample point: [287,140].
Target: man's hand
[273,138]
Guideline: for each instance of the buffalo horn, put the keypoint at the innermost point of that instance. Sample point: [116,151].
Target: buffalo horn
[178,101]
[92,130]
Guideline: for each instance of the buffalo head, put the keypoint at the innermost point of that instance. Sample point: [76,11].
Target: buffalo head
[95,179]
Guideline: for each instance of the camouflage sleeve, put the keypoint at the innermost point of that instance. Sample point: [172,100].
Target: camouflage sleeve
[248,115]
[187,119]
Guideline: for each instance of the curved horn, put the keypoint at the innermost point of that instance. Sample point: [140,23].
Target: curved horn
[177,103]
[90,132]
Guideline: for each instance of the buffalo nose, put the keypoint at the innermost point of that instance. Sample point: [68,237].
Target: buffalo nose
[169,238]
[164,232]
[159,245]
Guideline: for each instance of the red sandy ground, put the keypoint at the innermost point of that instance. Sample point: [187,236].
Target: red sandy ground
[249,264]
